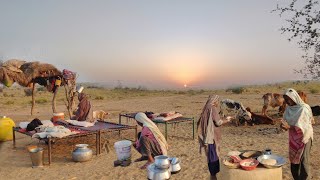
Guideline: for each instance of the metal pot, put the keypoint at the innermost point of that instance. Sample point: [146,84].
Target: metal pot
[162,162]
[175,168]
[82,153]
[155,173]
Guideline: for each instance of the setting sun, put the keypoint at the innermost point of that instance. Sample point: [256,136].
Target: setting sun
[185,85]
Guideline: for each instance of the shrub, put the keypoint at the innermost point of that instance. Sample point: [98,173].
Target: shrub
[28,92]
[99,98]
[314,91]
[9,102]
[41,89]
[6,94]
[236,90]
[40,101]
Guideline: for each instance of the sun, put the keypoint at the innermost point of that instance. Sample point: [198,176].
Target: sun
[185,85]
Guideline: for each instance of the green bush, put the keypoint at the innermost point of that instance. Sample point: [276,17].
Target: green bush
[41,101]
[314,91]
[99,98]
[236,90]
[9,102]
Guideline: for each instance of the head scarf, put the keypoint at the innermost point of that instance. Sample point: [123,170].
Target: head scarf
[142,118]
[205,134]
[299,115]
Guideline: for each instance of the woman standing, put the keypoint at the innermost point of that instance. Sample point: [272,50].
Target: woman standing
[150,142]
[209,134]
[298,117]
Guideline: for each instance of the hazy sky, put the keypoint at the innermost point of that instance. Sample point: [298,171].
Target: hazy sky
[164,43]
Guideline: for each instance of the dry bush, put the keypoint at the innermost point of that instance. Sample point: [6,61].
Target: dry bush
[27,92]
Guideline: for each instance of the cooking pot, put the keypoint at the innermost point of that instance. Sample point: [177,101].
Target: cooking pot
[155,173]
[162,162]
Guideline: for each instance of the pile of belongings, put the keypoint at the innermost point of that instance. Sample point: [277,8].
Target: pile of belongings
[162,117]
[45,129]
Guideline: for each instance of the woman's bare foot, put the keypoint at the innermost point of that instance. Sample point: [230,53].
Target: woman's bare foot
[142,158]
[145,165]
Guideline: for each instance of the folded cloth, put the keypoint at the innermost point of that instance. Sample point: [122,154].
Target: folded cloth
[56,131]
[168,118]
[23,125]
[47,123]
[80,123]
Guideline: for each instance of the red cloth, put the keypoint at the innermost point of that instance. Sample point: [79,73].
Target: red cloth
[296,146]
[147,133]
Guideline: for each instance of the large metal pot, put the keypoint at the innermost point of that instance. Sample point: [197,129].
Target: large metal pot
[155,173]
[162,162]
[82,153]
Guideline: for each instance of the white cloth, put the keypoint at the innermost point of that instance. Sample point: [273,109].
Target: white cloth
[23,125]
[56,131]
[142,118]
[80,123]
[299,115]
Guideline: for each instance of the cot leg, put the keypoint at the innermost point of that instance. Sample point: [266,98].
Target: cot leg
[193,128]
[49,150]
[166,130]
[119,118]
[136,131]
[14,137]
[97,143]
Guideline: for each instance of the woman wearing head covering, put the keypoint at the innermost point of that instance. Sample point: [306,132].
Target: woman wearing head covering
[84,111]
[209,134]
[151,142]
[298,117]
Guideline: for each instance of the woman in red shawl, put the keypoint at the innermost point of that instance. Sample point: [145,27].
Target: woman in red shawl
[84,111]
[209,134]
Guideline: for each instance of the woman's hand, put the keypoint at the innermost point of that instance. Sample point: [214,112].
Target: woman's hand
[284,125]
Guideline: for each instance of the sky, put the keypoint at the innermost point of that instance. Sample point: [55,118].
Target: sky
[154,44]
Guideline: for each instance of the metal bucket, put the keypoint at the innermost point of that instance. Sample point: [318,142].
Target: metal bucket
[36,155]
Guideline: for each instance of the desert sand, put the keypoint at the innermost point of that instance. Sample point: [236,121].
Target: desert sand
[16,163]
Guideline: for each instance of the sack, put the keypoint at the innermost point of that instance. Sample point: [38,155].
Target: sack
[33,124]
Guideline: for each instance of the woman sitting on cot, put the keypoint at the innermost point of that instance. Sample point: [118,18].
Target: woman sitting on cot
[150,141]
[84,111]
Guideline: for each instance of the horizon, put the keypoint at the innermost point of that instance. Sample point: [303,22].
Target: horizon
[153,44]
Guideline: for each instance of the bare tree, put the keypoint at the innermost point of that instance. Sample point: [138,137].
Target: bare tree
[302,25]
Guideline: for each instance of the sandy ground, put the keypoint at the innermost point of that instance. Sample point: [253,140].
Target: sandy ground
[16,163]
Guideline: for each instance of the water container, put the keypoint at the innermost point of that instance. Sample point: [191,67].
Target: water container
[36,155]
[6,125]
[123,150]
[57,116]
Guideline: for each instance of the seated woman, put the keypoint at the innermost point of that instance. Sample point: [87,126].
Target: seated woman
[150,142]
[84,111]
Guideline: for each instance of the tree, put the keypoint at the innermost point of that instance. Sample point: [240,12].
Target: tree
[302,24]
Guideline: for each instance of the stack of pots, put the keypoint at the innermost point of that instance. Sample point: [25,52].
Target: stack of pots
[160,169]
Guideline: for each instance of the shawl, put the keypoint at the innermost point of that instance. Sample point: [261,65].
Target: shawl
[142,118]
[84,112]
[299,115]
[209,118]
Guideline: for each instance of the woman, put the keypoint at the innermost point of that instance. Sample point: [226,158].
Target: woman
[209,134]
[84,111]
[298,117]
[150,142]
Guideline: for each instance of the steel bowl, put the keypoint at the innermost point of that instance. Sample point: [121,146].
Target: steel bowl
[162,162]
[280,160]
